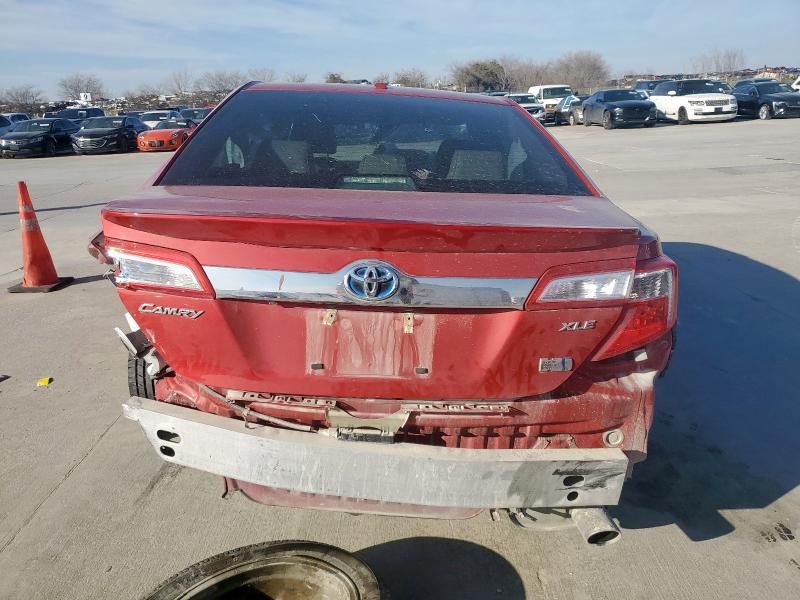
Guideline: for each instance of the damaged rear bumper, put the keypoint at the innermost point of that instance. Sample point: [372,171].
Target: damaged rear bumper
[399,473]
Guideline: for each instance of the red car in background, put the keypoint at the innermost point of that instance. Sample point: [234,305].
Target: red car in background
[166,135]
[394,300]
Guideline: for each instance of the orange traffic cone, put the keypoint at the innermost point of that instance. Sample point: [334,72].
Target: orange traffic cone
[38,272]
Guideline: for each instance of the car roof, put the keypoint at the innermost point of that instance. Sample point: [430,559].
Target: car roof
[346,88]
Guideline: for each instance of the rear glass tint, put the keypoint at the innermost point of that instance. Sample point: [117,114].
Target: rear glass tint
[371,141]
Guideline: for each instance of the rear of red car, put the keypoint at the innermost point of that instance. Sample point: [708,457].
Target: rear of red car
[390,301]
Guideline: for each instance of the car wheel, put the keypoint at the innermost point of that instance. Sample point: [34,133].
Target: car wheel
[572,119]
[49,148]
[764,112]
[650,124]
[683,116]
[607,122]
[139,382]
[123,145]
[587,122]
[275,570]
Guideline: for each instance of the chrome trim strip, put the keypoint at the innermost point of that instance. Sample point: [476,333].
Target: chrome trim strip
[329,288]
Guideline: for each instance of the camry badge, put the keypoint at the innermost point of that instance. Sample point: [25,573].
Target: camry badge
[168,310]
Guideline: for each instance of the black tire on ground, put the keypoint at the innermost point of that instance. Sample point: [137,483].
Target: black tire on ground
[318,567]
[650,124]
[764,112]
[123,145]
[608,122]
[139,382]
[49,148]
[683,116]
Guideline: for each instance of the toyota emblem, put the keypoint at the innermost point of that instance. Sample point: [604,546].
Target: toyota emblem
[372,282]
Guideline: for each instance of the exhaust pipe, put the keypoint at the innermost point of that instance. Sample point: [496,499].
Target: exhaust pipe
[595,525]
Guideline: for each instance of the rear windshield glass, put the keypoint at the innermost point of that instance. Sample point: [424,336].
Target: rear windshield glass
[370,141]
[524,99]
[196,114]
[620,95]
[33,126]
[172,125]
[556,92]
[155,116]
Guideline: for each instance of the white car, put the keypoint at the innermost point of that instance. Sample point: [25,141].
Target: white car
[550,96]
[153,118]
[693,100]
[796,84]
[529,103]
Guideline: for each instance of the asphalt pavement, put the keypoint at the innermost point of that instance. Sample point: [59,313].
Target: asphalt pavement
[87,509]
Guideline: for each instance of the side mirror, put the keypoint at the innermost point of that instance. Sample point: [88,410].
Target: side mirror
[672,93]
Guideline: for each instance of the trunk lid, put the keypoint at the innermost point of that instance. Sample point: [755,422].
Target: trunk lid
[459,328]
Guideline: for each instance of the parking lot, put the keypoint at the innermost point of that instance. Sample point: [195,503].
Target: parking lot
[87,509]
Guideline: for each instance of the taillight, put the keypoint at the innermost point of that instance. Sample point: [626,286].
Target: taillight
[151,271]
[592,287]
[651,311]
[144,266]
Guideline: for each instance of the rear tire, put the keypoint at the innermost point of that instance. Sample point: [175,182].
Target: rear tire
[123,145]
[650,124]
[608,124]
[764,112]
[49,148]
[683,116]
[139,382]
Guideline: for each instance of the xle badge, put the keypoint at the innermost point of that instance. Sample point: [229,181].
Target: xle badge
[578,325]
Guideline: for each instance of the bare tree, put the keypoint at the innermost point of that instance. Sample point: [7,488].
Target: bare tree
[261,74]
[382,77]
[179,82]
[479,75]
[295,77]
[220,82]
[24,98]
[76,84]
[411,78]
[334,78]
[583,70]
[520,74]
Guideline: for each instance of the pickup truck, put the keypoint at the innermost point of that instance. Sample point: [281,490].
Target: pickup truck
[390,300]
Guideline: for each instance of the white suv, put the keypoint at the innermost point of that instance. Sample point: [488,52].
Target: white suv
[693,100]
[549,96]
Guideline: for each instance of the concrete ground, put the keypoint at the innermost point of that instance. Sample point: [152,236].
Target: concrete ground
[87,510]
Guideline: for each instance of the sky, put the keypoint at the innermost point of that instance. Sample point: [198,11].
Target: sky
[129,43]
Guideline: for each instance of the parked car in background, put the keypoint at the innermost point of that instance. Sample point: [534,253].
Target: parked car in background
[723,86]
[529,103]
[550,96]
[569,110]
[16,117]
[107,134]
[131,113]
[195,114]
[38,137]
[796,85]
[648,85]
[79,115]
[617,108]
[154,117]
[166,135]
[767,100]
[693,100]
[5,125]
[754,80]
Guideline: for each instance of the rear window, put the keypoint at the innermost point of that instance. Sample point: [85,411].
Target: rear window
[370,141]
[155,116]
